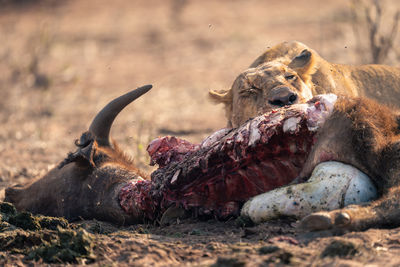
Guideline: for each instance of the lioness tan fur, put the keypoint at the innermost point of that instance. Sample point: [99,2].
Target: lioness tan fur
[291,72]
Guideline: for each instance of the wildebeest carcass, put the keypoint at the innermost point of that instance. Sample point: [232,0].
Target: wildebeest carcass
[216,177]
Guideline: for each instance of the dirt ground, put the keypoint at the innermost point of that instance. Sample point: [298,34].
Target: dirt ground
[61,61]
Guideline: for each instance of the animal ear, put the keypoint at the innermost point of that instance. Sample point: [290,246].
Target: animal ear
[304,65]
[84,155]
[221,96]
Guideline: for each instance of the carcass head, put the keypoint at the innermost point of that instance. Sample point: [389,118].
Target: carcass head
[268,86]
[85,184]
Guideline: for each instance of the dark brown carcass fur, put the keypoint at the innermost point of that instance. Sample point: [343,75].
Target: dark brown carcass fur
[366,135]
[87,182]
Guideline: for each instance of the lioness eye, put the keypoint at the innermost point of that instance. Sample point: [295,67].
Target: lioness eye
[290,77]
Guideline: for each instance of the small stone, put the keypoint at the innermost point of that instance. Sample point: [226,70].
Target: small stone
[228,262]
[268,249]
[339,248]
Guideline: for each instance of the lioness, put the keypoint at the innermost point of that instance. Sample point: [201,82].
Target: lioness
[292,73]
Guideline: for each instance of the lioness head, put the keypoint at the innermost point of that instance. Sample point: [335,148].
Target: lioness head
[270,85]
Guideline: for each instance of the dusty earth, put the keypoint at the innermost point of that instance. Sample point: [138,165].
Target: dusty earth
[61,61]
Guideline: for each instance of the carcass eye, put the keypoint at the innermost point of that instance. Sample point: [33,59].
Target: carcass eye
[249,92]
[252,91]
[290,77]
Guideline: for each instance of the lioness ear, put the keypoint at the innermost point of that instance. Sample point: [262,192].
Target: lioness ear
[222,96]
[304,65]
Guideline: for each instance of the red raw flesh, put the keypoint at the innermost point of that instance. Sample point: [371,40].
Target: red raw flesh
[169,149]
[228,168]
[136,195]
[234,177]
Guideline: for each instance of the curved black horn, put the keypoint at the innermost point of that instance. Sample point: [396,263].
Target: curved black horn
[101,124]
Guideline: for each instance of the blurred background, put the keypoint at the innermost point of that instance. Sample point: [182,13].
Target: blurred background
[61,61]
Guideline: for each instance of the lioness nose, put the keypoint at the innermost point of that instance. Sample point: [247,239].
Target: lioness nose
[283,98]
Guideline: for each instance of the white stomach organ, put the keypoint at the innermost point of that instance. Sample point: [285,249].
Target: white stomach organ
[332,185]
